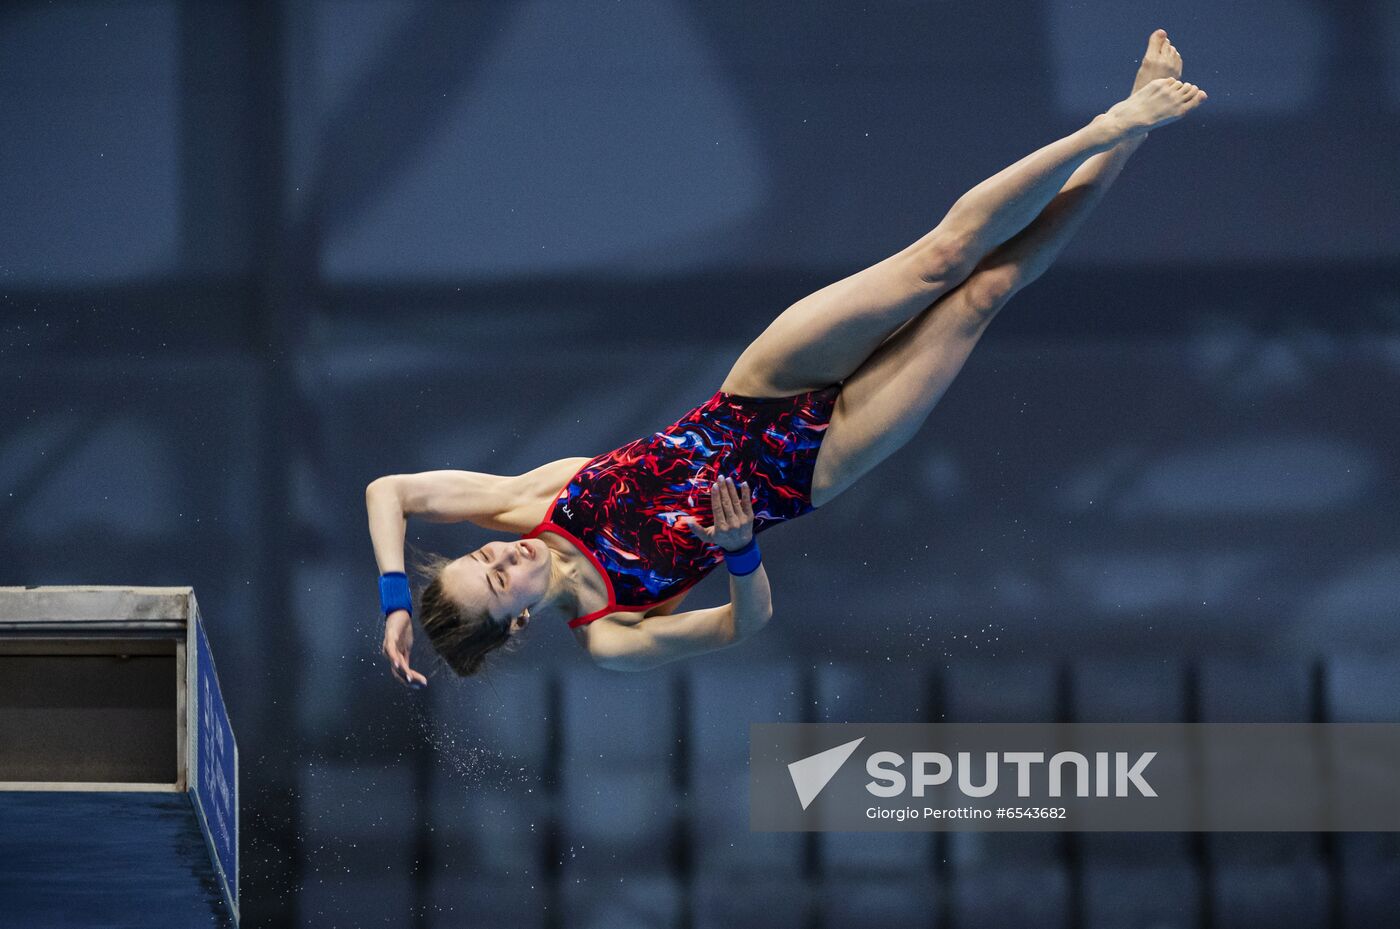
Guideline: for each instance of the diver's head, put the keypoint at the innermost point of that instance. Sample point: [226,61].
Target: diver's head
[476,604]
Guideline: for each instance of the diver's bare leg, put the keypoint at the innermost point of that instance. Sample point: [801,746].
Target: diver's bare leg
[889,396]
[825,336]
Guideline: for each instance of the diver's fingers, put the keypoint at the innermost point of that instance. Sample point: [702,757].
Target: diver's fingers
[717,504]
[398,663]
[730,497]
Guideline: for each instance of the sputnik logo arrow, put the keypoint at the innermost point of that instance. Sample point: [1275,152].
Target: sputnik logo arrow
[814,772]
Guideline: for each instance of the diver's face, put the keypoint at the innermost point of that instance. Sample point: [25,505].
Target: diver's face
[501,579]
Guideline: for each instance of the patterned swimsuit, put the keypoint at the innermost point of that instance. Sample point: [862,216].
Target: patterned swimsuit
[624,509]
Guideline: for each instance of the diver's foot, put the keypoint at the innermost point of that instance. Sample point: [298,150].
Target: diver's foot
[1161,101]
[1160,60]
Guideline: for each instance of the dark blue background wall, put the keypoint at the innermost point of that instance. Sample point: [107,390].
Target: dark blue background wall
[254,255]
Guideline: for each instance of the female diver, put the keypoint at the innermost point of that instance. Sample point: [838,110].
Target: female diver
[834,385]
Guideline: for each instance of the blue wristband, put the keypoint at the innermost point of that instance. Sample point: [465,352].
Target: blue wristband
[744,561]
[393,592]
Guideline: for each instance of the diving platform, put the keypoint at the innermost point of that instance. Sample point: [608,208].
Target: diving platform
[118,766]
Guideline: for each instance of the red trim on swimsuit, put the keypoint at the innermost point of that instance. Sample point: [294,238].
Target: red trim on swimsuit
[612,605]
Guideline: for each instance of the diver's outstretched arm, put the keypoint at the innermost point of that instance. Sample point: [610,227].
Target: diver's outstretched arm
[505,503]
[438,497]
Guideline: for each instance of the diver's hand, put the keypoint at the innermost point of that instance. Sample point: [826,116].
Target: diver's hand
[398,642]
[733,510]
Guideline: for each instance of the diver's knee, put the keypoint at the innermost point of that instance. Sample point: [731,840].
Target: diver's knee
[943,257]
[989,289]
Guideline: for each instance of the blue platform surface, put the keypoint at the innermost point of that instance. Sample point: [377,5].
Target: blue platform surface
[100,860]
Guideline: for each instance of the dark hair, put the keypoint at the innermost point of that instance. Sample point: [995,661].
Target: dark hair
[461,637]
